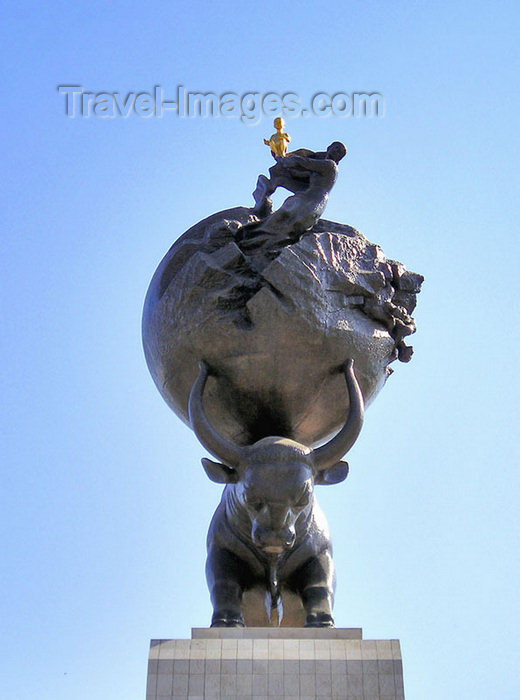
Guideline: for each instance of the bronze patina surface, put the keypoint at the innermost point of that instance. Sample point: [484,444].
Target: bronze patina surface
[252,323]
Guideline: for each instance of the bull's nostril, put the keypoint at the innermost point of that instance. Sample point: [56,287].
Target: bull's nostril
[278,537]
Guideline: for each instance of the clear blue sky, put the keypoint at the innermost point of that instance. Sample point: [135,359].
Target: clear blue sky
[104,506]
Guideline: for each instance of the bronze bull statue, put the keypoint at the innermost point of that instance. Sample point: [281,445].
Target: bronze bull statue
[268,534]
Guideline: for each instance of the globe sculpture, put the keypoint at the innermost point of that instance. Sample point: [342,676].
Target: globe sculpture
[268,332]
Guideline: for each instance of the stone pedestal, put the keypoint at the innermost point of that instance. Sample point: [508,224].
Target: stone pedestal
[265,663]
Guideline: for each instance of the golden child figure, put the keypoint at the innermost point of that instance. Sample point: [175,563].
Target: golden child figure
[278,141]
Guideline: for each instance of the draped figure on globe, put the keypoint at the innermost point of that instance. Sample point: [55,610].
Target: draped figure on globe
[268,332]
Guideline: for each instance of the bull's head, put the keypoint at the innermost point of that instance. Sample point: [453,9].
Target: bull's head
[274,478]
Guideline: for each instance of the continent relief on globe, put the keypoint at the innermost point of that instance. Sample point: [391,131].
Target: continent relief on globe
[275,325]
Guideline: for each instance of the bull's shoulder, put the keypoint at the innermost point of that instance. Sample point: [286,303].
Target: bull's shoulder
[219,530]
[312,541]
[223,536]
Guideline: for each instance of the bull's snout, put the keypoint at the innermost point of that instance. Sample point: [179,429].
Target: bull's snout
[273,542]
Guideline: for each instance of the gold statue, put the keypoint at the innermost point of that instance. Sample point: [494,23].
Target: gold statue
[278,142]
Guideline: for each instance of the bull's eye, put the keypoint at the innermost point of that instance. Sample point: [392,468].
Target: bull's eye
[255,504]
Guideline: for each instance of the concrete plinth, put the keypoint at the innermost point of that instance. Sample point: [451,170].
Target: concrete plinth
[265,663]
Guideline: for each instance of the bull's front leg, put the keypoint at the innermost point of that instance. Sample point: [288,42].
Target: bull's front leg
[315,583]
[225,586]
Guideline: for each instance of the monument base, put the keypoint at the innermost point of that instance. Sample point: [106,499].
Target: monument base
[263,663]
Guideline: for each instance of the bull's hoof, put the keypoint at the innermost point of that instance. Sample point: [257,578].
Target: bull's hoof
[319,620]
[227,622]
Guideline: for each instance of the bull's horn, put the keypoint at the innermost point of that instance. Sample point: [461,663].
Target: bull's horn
[226,451]
[326,455]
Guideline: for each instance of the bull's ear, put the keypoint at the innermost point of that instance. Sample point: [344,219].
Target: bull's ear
[332,475]
[219,472]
